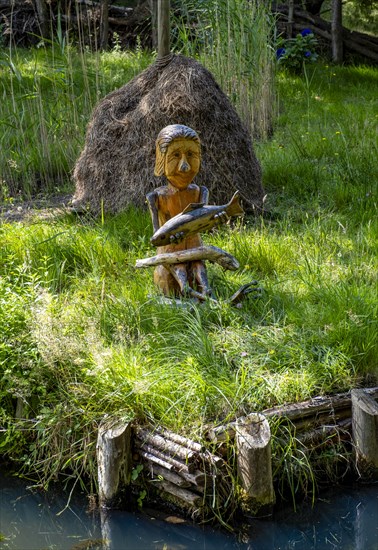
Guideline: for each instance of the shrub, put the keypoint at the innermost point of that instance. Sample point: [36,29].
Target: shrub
[294,53]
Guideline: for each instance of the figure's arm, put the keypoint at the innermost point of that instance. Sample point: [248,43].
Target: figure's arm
[204,195]
[221,217]
[152,199]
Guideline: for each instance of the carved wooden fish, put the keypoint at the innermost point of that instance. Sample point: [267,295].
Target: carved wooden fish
[196,217]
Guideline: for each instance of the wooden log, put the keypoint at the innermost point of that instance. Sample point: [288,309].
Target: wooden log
[210,253]
[302,415]
[113,460]
[365,432]
[254,465]
[323,434]
[149,457]
[181,440]
[197,480]
[168,446]
[169,475]
[177,466]
[187,497]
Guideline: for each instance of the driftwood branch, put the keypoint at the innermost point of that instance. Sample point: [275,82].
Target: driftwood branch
[210,253]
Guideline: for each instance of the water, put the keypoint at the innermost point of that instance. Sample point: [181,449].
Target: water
[346,519]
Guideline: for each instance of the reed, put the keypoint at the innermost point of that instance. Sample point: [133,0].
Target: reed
[234,40]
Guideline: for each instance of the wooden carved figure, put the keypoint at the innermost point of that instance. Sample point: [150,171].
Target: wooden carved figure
[179,212]
[178,157]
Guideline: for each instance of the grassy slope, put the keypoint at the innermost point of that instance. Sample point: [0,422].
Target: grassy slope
[83,335]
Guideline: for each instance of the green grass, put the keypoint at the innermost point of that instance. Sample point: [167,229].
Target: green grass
[47,97]
[82,334]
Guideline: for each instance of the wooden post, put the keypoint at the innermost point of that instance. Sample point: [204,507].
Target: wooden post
[337,31]
[163,28]
[365,433]
[104,25]
[290,19]
[113,461]
[154,23]
[254,464]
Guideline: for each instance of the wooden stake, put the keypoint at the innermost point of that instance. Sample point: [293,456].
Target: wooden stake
[254,464]
[365,432]
[337,31]
[113,460]
[163,28]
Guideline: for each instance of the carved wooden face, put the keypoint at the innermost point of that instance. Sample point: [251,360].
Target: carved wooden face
[182,162]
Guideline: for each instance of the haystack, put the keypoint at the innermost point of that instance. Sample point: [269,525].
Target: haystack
[116,166]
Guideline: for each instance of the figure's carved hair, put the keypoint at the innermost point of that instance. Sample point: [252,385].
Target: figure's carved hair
[165,137]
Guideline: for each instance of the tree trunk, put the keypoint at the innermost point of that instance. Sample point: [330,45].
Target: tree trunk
[337,31]
[42,17]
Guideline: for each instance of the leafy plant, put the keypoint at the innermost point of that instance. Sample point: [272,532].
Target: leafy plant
[294,53]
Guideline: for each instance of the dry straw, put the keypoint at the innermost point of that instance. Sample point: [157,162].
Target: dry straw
[116,166]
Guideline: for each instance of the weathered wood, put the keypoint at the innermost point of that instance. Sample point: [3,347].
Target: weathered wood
[316,436]
[163,28]
[353,41]
[42,17]
[189,498]
[104,25]
[168,446]
[365,432]
[182,479]
[176,464]
[113,460]
[149,457]
[303,415]
[169,475]
[210,253]
[337,31]
[254,466]
[181,440]
[154,23]
[290,19]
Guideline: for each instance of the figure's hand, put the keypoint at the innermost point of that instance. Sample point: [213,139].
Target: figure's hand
[177,237]
[221,218]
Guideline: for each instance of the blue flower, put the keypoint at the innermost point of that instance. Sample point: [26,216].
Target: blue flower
[306,32]
[308,54]
[280,52]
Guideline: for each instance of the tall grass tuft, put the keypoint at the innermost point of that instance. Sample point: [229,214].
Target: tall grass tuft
[48,94]
[233,39]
